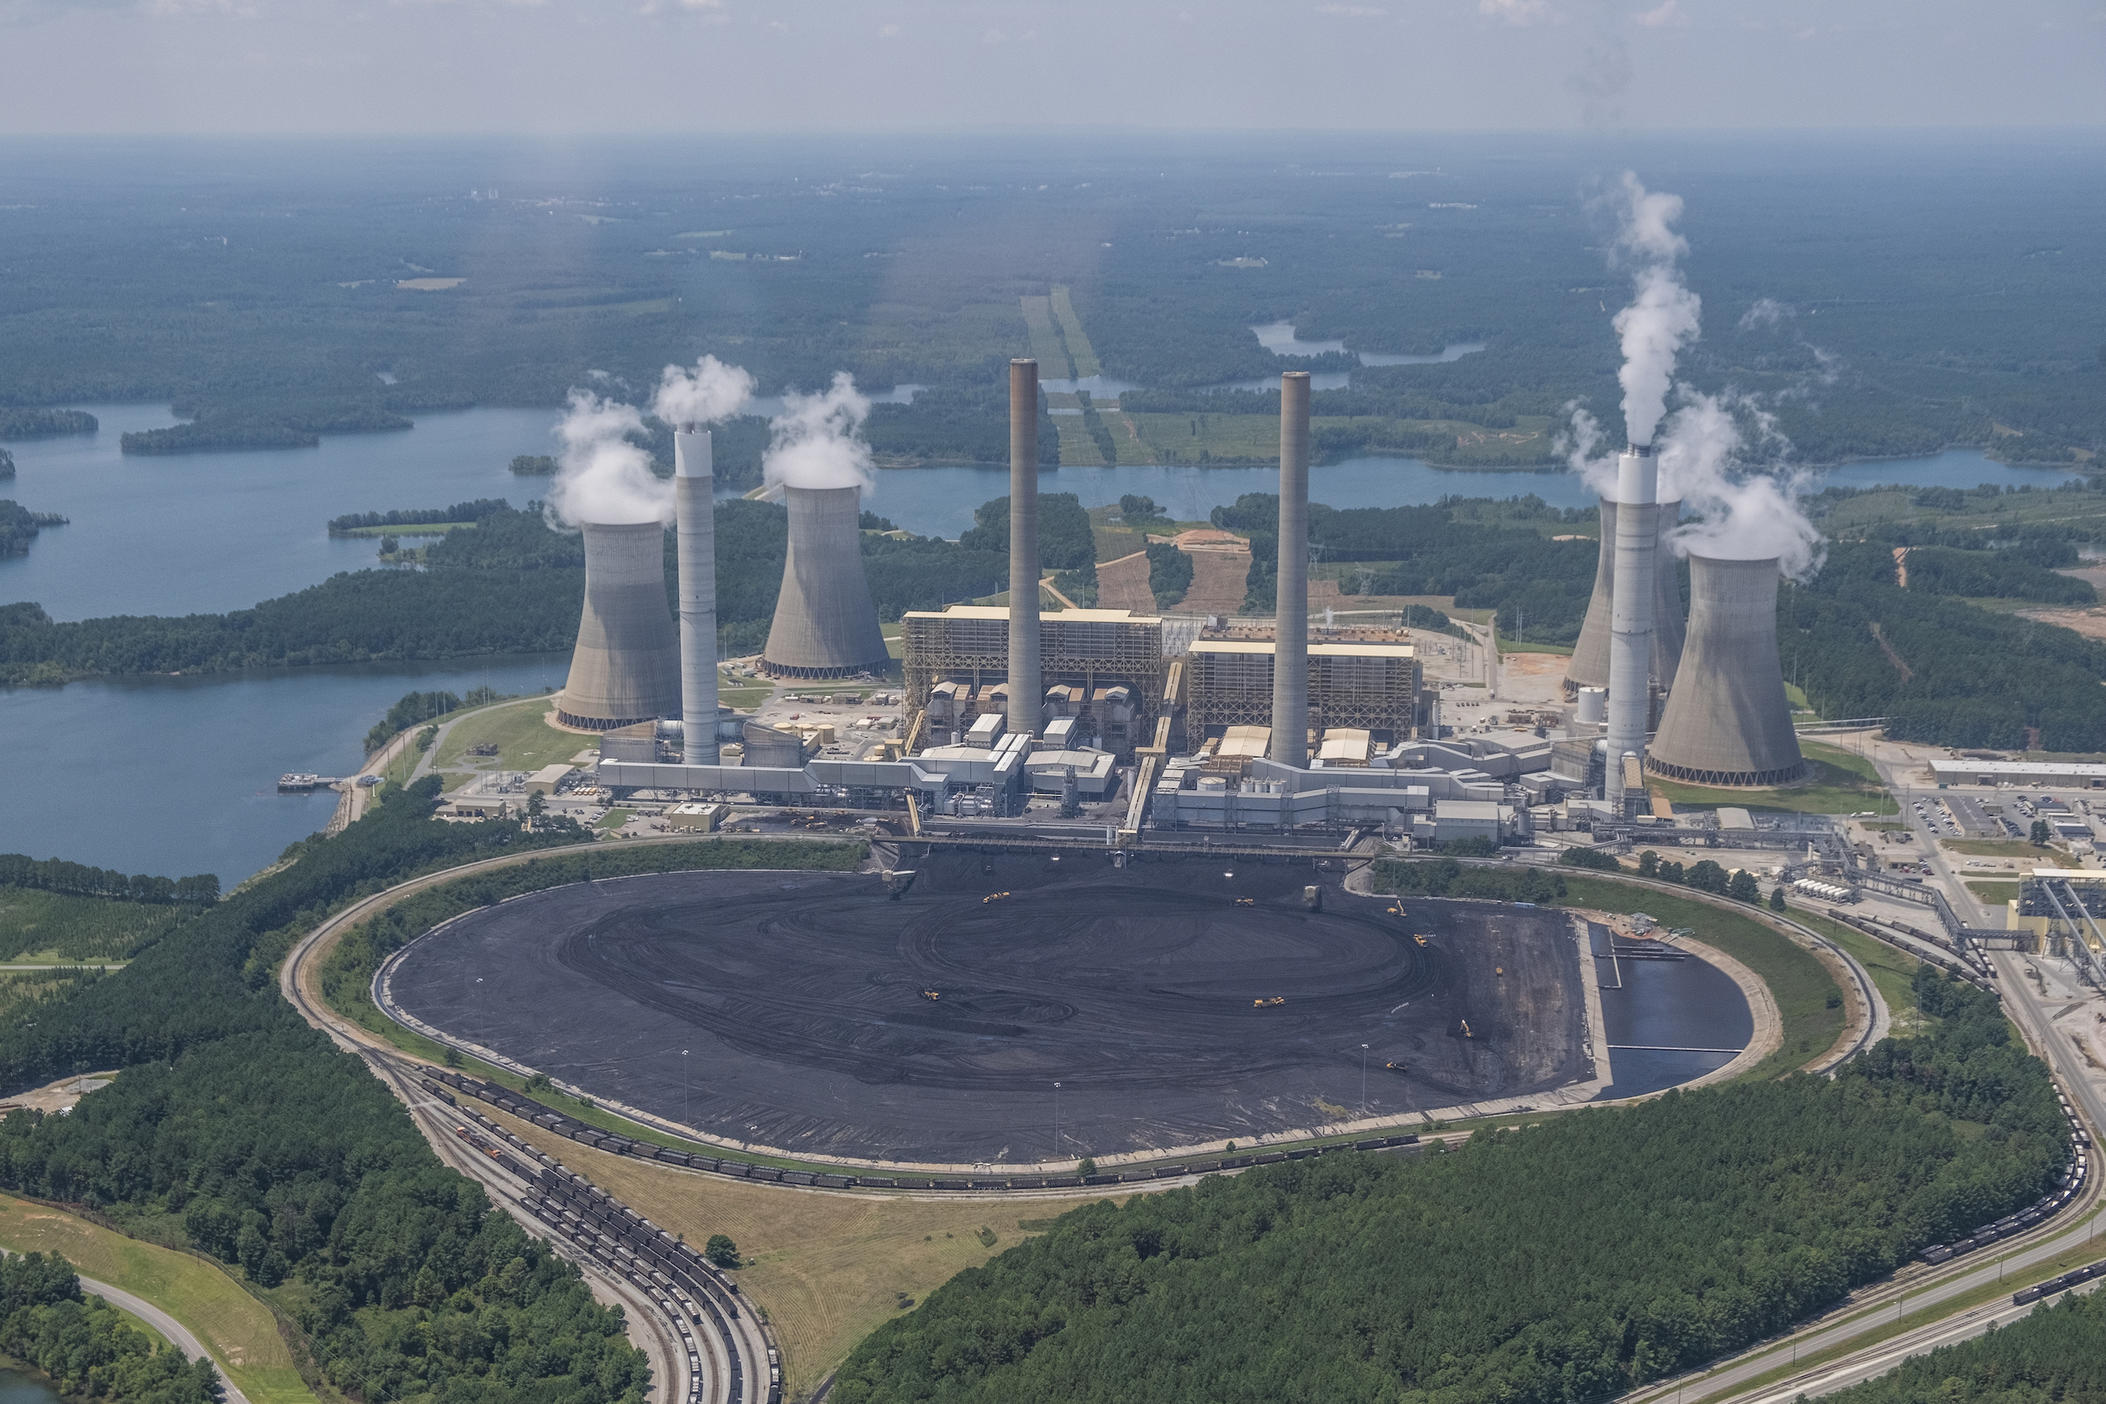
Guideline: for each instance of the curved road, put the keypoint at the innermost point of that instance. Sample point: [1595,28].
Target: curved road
[176,1332]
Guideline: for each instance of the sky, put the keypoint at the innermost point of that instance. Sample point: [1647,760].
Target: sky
[701,66]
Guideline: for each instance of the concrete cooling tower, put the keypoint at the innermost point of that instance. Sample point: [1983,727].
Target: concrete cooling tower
[825,625]
[626,668]
[1590,657]
[1727,721]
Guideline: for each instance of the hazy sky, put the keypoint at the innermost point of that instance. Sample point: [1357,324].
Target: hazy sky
[706,65]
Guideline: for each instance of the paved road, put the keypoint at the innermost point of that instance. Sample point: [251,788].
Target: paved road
[175,1331]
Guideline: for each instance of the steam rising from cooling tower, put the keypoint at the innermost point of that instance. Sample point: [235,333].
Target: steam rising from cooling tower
[813,443]
[709,394]
[1662,318]
[602,476]
[1741,514]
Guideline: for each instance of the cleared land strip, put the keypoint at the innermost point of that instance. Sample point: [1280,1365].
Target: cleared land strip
[1080,353]
[1045,338]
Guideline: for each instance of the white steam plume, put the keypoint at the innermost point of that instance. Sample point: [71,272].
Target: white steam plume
[1580,441]
[1663,317]
[813,442]
[712,391]
[1738,513]
[602,477]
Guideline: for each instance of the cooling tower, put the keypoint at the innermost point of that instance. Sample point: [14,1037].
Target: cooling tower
[1727,721]
[1631,613]
[626,668]
[1290,668]
[695,517]
[825,625]
[1590,657]
[1027,688]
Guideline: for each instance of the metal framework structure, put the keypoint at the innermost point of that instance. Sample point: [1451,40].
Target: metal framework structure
[1086,648]
[1374,686]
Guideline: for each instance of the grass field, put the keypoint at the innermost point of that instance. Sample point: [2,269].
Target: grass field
[614,818]
[1891,970]
[1255,438]
[2008,848]
[1833,789]
[524,739]
[1995,893]
[1077,448]
[826,1268]
[238,1330]
[1798,981]
[1046,345]
[46,926]
[1080,352]
[420,529]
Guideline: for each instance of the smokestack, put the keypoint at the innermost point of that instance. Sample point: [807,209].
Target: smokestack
[1027,690]
[626,667]
[695,517]
[1727,722]
[825,624]
[1290,630]
[1589,666]
[1631,614]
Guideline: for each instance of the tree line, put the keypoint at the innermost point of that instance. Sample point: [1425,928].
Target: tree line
[473,511]
[30,423]
[1528,1266]
[79,880]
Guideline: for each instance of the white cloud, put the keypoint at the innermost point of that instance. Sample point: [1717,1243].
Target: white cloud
[1352,11]
[1516,12]
[1662,15]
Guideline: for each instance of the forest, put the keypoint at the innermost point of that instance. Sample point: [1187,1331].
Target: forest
[2056,1354]
[474,511]
[23,423]
[88,1348]
[79,880]
[239,1131]
[19,526]
[1526,1266]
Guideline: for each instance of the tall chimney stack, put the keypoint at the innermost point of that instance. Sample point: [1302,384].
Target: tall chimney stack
[1290,630]
[1631,618]
[1027,688]
[696,547]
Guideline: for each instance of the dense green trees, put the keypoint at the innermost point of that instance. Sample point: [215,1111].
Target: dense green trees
[1565,1261]
[19,423]
[18,525]
[1169,574]
[90,1349]
[1444,877]
[1064,539]
[2056,1354]
[239,1130]
[80,880]
[474,511]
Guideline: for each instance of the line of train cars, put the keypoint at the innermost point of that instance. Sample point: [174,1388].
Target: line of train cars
[615,1236]
[2058,1284]
[2045,1207]
[528,1110]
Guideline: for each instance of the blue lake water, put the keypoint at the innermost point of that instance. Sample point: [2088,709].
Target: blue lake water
[18,1388]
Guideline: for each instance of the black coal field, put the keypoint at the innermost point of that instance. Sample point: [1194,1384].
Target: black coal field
[1009,1008]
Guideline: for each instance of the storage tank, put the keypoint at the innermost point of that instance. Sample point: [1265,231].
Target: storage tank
[1727,722]
[825,624]
[1589,666]
[626,666]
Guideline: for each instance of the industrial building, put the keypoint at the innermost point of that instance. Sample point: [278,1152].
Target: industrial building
[1102,668]
[825,624]
[1729,723]
[626,666]
[2052,775]
[1364,685]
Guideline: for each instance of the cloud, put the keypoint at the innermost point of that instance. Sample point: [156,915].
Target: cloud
[1667,12]
[1766,312]
[1338,11]
[1515,12]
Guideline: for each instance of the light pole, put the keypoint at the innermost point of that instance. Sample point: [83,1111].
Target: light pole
[1056,1121]
[687,1101]
[1363,1082]
[481,1023]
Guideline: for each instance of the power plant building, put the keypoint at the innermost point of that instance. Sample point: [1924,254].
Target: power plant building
[1362,685]
[1728,722]
[825,623]
[626,666]
[1102,667]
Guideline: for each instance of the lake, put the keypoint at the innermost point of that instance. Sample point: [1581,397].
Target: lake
[178,775]
[18,1388]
